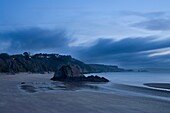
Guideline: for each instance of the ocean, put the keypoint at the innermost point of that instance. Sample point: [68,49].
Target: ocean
[132,83]
[135,78]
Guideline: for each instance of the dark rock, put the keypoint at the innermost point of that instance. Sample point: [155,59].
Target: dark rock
[97,79]
[71,73]
[22,82]
[68,71]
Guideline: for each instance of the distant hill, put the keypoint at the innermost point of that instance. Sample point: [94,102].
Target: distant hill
[105,68]
[40,63]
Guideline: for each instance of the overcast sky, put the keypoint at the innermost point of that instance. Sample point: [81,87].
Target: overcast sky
[129,33]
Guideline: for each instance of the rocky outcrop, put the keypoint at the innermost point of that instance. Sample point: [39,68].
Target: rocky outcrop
[68,71]
[71,73]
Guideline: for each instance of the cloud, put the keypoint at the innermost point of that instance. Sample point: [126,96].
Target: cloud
[154,24]
[127,52]
[152,21]
[32,39]
[127,45]
[153,14]
[159,52]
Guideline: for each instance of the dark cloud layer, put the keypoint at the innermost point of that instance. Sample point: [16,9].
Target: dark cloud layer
[154,24]
[33,39]
[128,45]
[126,52]
[129,52]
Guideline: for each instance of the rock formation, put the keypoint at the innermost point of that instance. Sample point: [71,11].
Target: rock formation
[66,72]
[71,73]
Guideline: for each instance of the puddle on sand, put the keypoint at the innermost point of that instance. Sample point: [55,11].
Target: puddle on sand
[32,87]
[28,88]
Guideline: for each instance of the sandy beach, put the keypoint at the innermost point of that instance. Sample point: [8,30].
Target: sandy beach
[15,100]
[158,85]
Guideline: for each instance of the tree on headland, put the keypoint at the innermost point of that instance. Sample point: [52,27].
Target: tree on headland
[26,55]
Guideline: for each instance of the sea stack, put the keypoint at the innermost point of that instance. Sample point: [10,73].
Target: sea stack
[72,73]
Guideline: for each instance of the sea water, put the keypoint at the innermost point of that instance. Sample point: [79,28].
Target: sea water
[132,83]
[135,78]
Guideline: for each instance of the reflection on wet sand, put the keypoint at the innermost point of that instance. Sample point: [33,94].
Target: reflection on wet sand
[32,87]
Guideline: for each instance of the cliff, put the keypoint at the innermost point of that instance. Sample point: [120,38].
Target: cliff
[40,63]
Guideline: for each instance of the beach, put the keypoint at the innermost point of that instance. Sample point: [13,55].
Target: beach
[159,85]
[45,100]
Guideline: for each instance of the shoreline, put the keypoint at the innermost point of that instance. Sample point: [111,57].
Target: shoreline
[13,100]
[158,85]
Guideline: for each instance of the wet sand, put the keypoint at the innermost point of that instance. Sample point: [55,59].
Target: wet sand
[159,85]
[13,99]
